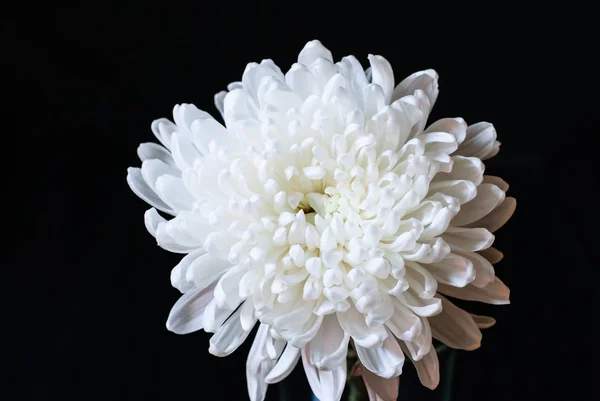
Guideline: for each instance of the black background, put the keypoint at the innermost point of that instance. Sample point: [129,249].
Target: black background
[87,308]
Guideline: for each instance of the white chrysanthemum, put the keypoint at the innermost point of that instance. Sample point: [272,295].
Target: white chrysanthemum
[324,210]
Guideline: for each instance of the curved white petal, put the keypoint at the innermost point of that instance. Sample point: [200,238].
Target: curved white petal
[258,365]
[179,274]
[385,361]
[382,75]
[327,385]
[494,220]
[228,337]
[187,314]
[284,366]
[455,270]
[329,347]
[313,50]
[488,198]
[426,80]
[468,239]
[139,187]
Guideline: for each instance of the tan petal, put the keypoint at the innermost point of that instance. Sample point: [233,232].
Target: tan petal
[488,198]
[455,327]
[380,389]
[497,217]
[492,255]
[497,181]
[428,367]
[483,322]
[496,292]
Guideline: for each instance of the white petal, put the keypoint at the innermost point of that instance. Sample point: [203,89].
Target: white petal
[149,150]
[228,337]
[183,151]
[139,187]
[484,271]
[497,217]
[496,293]
[206,269]
[284,366]
[214,317]
[455,327]
[172,191]
[492,255]
[151,220]
[179,272]
[488,198]
[327,385]
[455,126]
[353,323]
[380,389]
[163,129]
[227,292]
[426,80]
[205,132]
[404,324]
[421,345]
[258,365]
[468,239]
[313,50]
[187,314]
[463,168]
[462,190]
[382,75]
[220,102]
[455,270]
[385,361]
[329,347]
[428,367]
[479,142]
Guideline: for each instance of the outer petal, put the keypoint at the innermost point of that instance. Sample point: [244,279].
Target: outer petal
[385,361]
[483,322]
[497,217]
[480,141]
[258,365]
[488,198]
[382,75]
[312,51]
[492,255]
[284,366]
[496,292]
[455,327]
[229,336]
[380,389]
[188,312]
[426,80]
[329,347]
[428,367]
[327,385]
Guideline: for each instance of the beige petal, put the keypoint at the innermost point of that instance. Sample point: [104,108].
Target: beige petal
[483,322]
[455,327]
[492,255]
[497,181]
[380,389]
[488,198]
[497,217]
[496,292]
[428,367]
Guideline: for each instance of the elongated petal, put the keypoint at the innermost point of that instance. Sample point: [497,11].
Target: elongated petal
[327,385]
[380,389]
[179,272]
[228,337]
[483,322]
[284,366]
[187,314]
[492,255]
[455,270]
[428,367]
[426,80]
[488,198]
[468,239]
[497,217]
[455,327]
[385,361]
[480,141]
[382,75]
[139,187]
[329,347]
[496,293]
[258,365]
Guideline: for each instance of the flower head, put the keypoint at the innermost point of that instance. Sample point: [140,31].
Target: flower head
[324,210]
